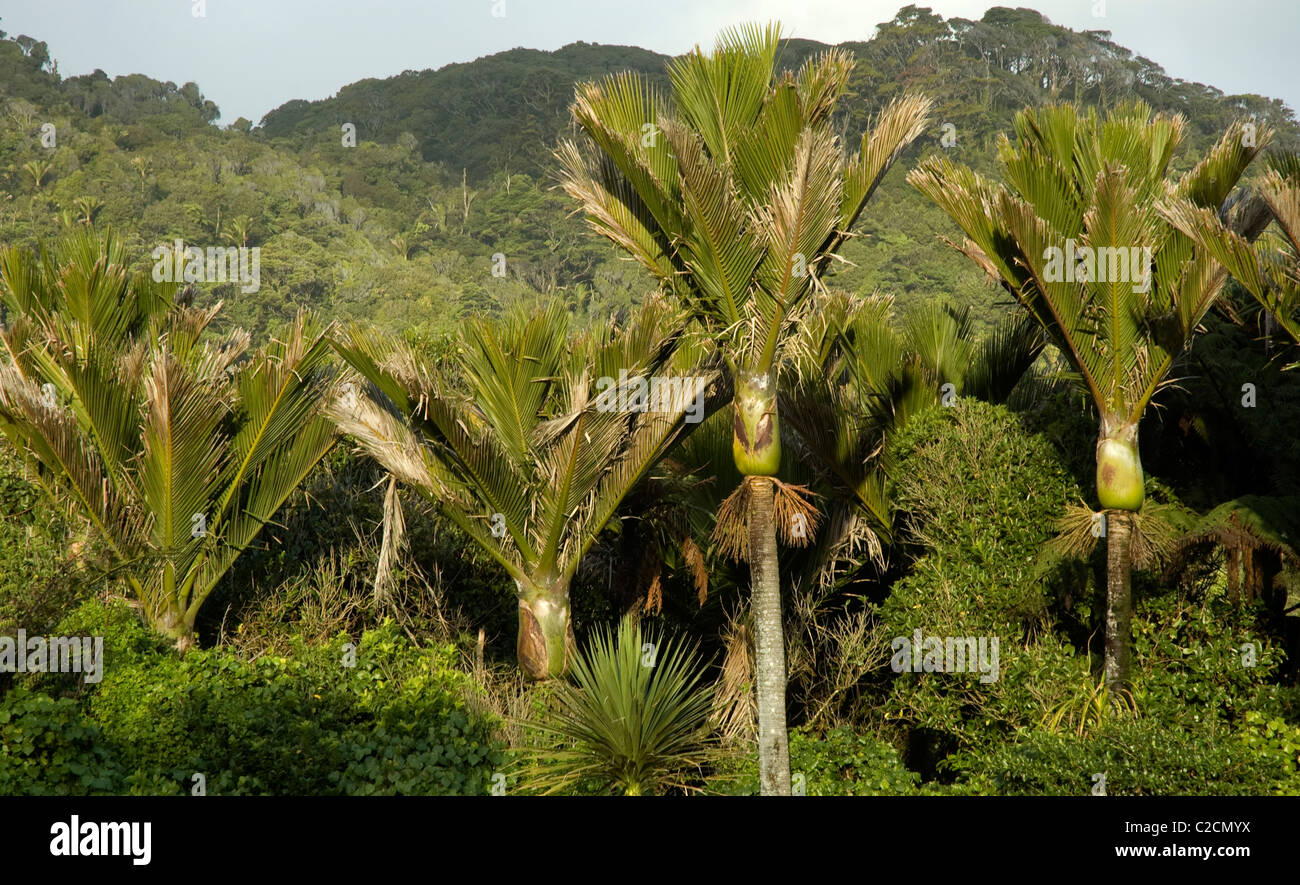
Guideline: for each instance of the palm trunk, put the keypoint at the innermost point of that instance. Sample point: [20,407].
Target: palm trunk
[173,624]
[1120,490]
[1119,598]
[773,752]
[756,447]
[545,640]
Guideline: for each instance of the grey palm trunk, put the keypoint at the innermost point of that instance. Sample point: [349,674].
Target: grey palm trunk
[769,641]
[1119,598]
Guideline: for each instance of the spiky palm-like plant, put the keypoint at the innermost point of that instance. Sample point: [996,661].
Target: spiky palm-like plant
[1270,267]
[637,719]
[863,373]
[736,194]
[175,446]
[530,442]
[1076,236]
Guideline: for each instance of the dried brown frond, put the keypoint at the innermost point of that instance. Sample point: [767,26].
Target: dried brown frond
[796,516]
[735,708]
[1155,535]
[654,597]
[1077,532]
[731,533]
[394,540]
[649,578]
[695,562]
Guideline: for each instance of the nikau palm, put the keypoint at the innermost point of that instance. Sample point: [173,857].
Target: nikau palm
[529,451]
[1077,236]
[1269,268]
[176,447]
[736,194]
[861,377]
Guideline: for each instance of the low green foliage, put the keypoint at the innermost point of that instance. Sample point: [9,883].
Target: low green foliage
[840,762]
[979,496]
[49,748]
[1137,758]
[37,584]
[382,717]
[1276,740]
[635,722]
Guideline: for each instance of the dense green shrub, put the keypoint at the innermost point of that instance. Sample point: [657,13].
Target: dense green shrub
[383,717]
[978,496]
[1140,757]
[305,724]
[49,748]
[1199,660]
[1277,742]
[37,583]
[840,762]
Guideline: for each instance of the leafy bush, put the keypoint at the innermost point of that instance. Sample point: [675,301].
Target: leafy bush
[37,584]
[1199,660]
[49,748]
[979,496]
[841,762]
[395,722]
[1137,758]
[1278,741]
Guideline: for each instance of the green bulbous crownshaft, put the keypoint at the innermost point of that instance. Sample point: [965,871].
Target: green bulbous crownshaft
[756,432]
[1120,483]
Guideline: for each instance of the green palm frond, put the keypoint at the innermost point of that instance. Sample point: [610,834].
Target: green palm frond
[1269,268]
[174,445]
[534,437]
[740,200]
[1099,184]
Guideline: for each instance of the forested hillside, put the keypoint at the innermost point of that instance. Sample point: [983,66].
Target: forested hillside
[455,165]
[913,416]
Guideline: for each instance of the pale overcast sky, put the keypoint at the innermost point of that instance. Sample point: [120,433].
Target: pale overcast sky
[250,56]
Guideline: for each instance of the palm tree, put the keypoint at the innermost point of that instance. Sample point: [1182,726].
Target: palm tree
[533,451]
[87,208]
[862,374]
[174,447]
[38,169]
[240,227]
[1270,269]
[736,194]
[143,165]
[1076,237]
